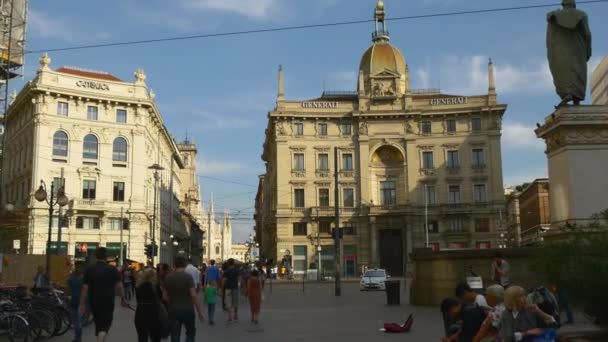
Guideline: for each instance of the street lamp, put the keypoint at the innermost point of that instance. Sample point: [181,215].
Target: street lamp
[62,200]
[156,168]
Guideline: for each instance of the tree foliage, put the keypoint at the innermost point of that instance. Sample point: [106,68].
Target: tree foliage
[579,264]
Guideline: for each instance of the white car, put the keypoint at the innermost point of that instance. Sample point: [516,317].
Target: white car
[373,279]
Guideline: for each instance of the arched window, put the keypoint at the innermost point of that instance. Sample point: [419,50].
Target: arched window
[217,249]
[60,144]
[90,148]
[119,150]
[186,160]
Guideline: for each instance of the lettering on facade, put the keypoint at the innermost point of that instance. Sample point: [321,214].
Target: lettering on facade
[320,105]
[449,101]
[93,85]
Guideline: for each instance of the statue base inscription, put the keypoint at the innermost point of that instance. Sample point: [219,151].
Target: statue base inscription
[577,151]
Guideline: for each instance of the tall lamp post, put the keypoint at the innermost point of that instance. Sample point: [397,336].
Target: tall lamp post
[156,168]
[62,200]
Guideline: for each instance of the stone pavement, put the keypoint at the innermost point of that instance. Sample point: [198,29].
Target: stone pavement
[288,314]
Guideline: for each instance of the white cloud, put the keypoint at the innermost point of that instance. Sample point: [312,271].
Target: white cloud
[45,26]
[247,8]
[424,79]
[516,135]
[469,76]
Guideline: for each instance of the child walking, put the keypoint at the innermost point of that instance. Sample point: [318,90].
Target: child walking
[254,293]
[211,299]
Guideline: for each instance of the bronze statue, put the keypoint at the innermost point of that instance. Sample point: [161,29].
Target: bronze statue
[569,50]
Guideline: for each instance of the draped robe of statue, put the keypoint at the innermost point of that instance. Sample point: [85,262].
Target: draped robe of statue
[569,50]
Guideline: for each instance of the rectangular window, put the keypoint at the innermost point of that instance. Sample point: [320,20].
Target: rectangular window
[347,128]
[88,189]
[427,160]
[454,194]
[119,192]
[85,222]
[455,225]
[63,220]
[298,198]
[453,160]
[300,256]
[121,115]
[62,108]
[478,158]
[347,162]
[451,125]
[388,193]
[58,183]
[92,113]
[426,127]
[323,162]
[482,225]
[476,124]
[299,229]
[349,228]
[348,197]
[480,193]
[433,227]
[299,129]
[324,197]
[298,162]
[115,224]
[324,227]
[323,130]
[429,195]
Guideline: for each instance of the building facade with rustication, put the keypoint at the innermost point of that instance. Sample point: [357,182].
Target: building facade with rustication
[408,162]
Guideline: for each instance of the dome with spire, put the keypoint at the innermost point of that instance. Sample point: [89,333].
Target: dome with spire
[383,58]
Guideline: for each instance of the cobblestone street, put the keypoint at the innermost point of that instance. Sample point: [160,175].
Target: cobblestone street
[288,314]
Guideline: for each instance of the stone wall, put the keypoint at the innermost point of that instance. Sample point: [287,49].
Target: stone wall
[436,274]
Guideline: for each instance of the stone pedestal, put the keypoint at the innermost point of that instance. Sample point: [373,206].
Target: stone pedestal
[577,151]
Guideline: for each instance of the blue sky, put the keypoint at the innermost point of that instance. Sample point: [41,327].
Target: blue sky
[220,89]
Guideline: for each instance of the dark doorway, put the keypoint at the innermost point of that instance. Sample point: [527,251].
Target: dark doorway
[391,252]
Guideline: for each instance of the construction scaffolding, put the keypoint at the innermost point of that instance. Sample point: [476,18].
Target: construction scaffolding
[13,19]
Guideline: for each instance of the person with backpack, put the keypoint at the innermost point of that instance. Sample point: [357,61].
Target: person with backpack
[147,322]
[546,301]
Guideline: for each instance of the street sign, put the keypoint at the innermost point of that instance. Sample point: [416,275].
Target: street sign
[16,244]
[255,252]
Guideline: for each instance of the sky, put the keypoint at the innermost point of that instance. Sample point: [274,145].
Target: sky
[219,90]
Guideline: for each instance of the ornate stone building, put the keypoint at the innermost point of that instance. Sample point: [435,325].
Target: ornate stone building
[599,83]
[102,134]
[218,242]
[399,151]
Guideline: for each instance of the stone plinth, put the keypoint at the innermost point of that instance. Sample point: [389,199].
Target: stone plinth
[577,151]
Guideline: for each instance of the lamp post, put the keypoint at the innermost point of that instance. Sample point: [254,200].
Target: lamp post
[156,168]
[41,196]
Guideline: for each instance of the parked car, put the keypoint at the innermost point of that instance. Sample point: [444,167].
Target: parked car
[373,279]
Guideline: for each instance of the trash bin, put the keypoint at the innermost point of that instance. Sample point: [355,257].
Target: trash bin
[393,292]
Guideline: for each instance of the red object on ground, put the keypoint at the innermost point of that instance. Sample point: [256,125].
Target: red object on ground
[397,328]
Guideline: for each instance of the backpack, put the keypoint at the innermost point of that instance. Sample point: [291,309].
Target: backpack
[546,301]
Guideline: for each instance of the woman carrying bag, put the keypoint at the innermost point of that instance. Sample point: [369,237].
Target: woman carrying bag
[151,321]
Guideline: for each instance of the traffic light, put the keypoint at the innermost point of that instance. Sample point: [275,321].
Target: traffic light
[340,233]
[148,250]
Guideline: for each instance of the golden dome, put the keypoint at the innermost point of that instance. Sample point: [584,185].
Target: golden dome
[382,56]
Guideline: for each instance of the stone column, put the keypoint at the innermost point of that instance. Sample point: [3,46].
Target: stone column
[577,151]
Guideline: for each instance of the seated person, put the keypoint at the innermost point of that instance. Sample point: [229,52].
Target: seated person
[489,328]
[522,321]
[468,296]
[467,318]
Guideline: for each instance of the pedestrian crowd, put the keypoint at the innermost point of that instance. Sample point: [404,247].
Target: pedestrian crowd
[165,298]
[505,312]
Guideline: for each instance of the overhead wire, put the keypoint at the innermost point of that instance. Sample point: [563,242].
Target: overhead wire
[302,27]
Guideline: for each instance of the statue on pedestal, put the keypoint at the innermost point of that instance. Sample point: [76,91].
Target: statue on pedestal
[568,51]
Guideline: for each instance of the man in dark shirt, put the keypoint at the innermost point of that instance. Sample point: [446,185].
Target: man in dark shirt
[100,284]
[179,291]
[231,286]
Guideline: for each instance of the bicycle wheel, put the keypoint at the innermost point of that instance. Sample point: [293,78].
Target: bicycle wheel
[62,320]
[45,322]
[18,330]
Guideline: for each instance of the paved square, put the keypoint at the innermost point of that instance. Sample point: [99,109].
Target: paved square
[288,314]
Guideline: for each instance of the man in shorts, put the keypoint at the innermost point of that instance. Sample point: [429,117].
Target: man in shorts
[231,286]
[100,284]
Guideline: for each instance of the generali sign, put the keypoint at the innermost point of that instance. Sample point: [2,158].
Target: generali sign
[320,104]
[446,101]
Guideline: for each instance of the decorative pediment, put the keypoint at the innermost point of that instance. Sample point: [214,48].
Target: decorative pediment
[385,74]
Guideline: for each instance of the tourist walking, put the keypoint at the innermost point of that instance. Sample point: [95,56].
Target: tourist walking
[501,270]
[211,299]
[146,315]
[212,273]
[74,284]
[254,294]
[100,284]
[231,290]
[127,282]
[180,294]
[195,274]
[162,271]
